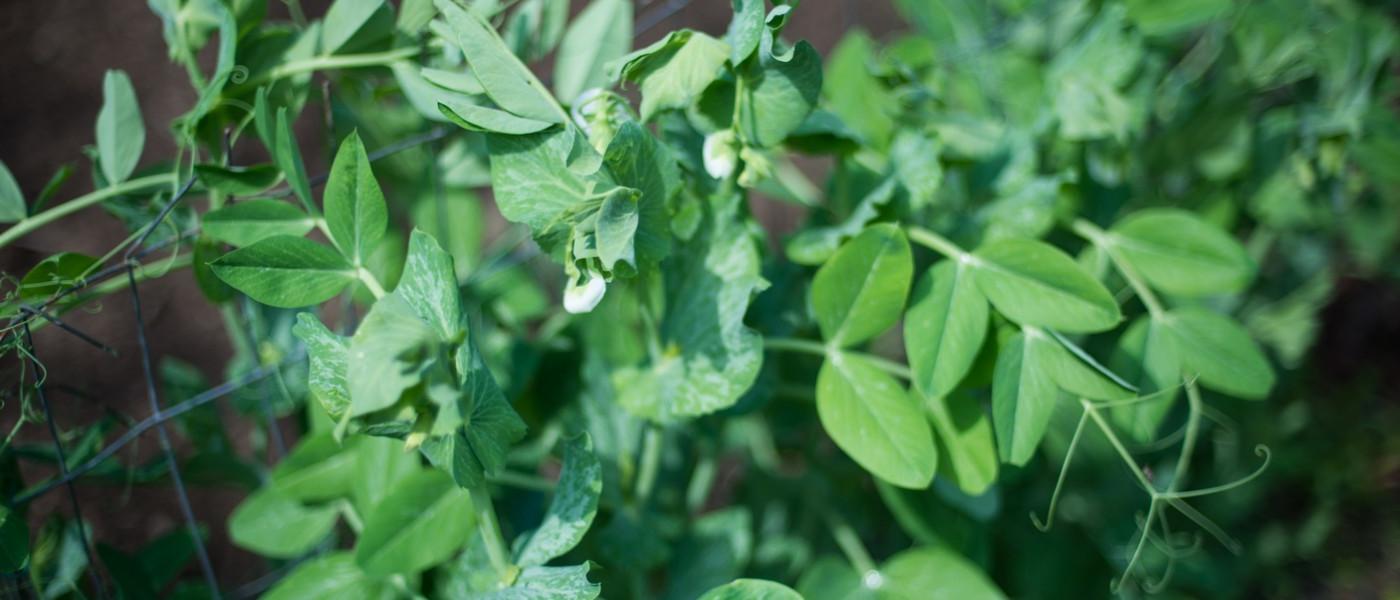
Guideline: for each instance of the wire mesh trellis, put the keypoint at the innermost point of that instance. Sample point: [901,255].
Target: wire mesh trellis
[131,262]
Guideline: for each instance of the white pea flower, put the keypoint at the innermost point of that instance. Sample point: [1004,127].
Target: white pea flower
[583,107]
[579,299]
[719,154]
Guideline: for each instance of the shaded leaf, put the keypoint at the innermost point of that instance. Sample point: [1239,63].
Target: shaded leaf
[285,271]
[860,292]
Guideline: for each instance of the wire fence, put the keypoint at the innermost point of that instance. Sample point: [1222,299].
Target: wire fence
[132,261]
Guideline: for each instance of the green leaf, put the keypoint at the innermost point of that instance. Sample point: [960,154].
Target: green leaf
[14,541]
[915,158]
[944,327]
[1181,254]
[854,91]
[617,227]
[507,82]
[238,181]
[752,589]
[249,222]
[328,355]
[534,185]
[935,572]
[860,292]
[831,578]
[1219,350]
[778,94]
[533,583]
[1071,373]
[429,286]
[424,520]
[1164,17]
[1023,397]
[387,354]
[207,250]
[479,448]
[318,469]
[343,19]
[875,421]
[673,71]
[286,271]
[711,358]
[601,33]
[1146,356]
[1034,283]
[287,154]
[121,134]
[355,211]
[272,524]
[333,575]
[55,274]
[571,512]
[380,465]
[474,117]
[745,29]
[638,160]
[816,245]
[12,206]
[967,453]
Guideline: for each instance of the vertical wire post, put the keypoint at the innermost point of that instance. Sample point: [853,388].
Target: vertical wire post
[93,578]
[165,446]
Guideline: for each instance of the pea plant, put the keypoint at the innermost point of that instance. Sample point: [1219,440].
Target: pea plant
[1026,255]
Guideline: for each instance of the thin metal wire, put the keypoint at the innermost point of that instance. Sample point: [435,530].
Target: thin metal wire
[160,218]
[66,327]
[93,577]
[200,552]
[144,425]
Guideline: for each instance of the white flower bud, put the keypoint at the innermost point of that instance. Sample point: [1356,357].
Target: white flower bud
[719,154]
[581,110]
[579,299]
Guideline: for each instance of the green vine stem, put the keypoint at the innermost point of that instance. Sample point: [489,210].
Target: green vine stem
[1103,241]
[323,63]
[650,461]
[937,243]
[490,529]
[850,544]
[819,349]
[33,222]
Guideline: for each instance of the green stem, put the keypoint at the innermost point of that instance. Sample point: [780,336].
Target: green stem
[371,283]
[795,345]
[937,243]
[32,222]
[323,63]
[1123,453]
[850,543]
[818,349]
[298,17]
[1188,444]
[490,530]
[651,460]
[352,517]
[523,481]
[1100,238]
